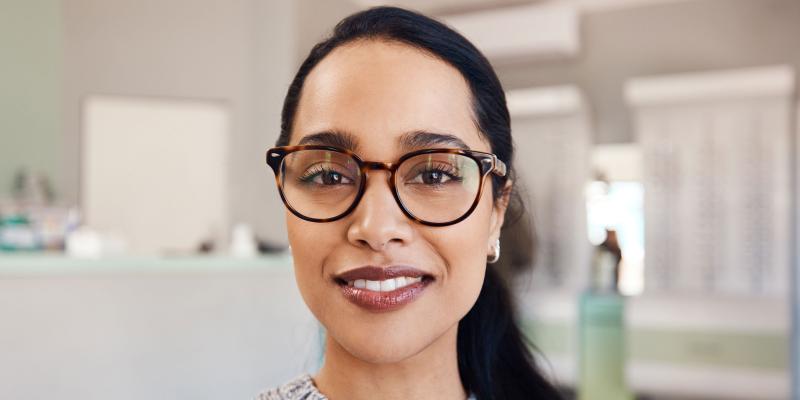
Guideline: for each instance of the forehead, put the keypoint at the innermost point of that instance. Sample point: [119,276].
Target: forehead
[379,92]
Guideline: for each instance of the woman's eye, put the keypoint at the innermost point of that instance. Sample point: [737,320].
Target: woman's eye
[432,177]
[328,178]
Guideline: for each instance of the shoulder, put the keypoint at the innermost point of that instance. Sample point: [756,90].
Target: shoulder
[299,388]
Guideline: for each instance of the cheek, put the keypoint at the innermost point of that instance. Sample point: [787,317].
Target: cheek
[463,250]
[311,243]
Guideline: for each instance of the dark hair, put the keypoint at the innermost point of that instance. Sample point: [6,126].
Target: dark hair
[494,357]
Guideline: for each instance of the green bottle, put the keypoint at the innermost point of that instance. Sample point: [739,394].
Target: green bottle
[602,349]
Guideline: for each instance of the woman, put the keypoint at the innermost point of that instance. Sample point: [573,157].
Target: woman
[394,163]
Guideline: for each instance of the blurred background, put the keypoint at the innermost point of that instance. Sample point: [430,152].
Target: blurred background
[142,240]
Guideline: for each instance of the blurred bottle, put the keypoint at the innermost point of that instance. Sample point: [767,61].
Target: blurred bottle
[30,193]
[602,328]
[243,242]
[17,233]
[31,220]
[605,265]
[32,189]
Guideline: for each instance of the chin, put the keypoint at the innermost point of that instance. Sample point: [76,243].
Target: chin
[385,343]
[383,351]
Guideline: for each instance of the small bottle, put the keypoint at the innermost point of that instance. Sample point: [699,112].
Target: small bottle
[605,265]
[243,242]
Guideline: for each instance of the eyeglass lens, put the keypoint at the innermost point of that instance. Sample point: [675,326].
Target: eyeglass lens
[434,187]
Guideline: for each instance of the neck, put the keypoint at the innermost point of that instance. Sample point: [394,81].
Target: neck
[429,374]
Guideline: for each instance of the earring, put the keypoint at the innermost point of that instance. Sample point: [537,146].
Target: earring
[496,255]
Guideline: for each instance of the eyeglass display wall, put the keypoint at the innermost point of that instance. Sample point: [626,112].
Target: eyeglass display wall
[552,138]
[717,174]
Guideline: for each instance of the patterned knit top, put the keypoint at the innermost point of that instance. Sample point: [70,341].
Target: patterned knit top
[300,388]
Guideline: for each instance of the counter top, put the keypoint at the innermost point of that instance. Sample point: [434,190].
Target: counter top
[26,264]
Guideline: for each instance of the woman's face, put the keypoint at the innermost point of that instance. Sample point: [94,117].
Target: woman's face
[378,94]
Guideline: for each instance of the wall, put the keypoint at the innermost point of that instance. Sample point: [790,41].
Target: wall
[315,21]
[30,104]
[684,36]
[236,51]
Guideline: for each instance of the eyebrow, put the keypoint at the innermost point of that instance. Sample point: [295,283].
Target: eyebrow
[413,140]
[334,138]
[424,139]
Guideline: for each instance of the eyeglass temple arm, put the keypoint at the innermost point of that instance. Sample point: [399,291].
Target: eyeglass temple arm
[499,167]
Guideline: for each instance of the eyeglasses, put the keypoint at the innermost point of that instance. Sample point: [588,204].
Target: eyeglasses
[435,187]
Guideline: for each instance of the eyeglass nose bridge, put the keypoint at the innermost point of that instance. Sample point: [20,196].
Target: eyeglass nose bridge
[389,167]
[375,165]
[367,166]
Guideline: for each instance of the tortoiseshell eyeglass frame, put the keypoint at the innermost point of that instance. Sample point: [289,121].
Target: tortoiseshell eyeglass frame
[487,162]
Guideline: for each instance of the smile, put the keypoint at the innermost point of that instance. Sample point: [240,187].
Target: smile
[383,289]
[387,285]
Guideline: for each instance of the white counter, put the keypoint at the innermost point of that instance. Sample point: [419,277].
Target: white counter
[150,328]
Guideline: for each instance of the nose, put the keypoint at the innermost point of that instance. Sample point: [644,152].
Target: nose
[377,222]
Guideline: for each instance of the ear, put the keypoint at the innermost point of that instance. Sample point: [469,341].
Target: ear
[499,214]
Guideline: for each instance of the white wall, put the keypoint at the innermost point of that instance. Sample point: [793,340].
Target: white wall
[315,19]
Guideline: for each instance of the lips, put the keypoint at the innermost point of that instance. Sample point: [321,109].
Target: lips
[383,289]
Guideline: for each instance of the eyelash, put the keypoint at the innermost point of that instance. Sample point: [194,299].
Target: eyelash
[451,173]
[315,171]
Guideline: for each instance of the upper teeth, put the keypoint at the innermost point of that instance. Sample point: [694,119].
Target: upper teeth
[384,286]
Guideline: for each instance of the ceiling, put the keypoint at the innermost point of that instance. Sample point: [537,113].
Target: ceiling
[444,7]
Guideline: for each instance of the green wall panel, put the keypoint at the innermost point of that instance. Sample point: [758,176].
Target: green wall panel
[30,89]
